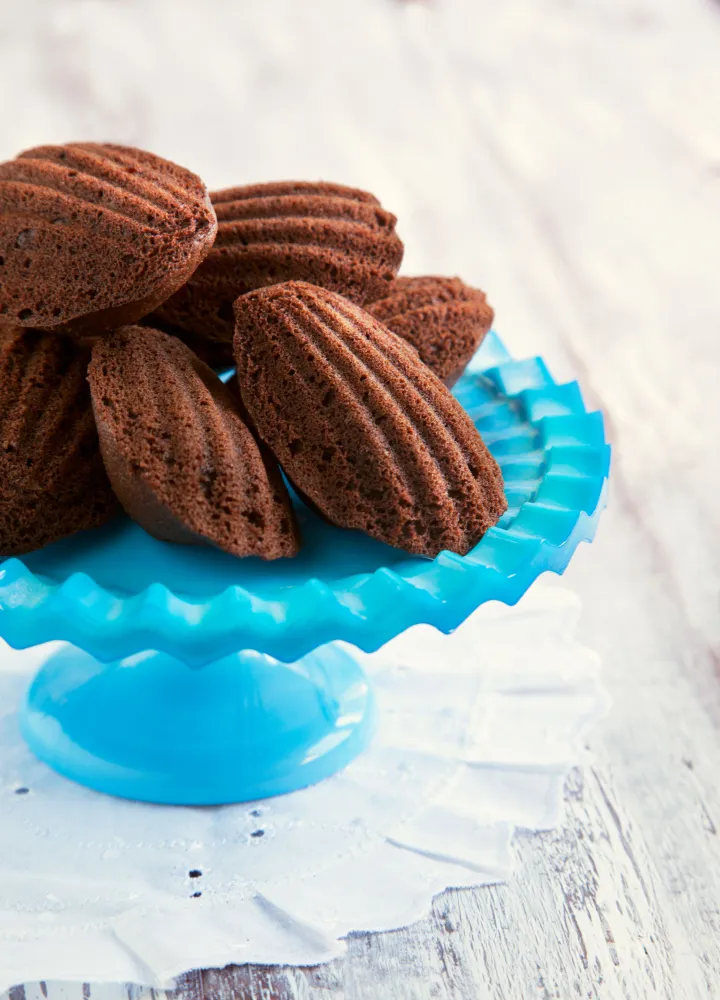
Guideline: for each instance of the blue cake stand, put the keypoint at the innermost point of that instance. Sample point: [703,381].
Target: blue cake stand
[196,678]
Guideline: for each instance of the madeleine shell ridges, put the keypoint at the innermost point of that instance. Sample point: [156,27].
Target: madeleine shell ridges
[178,452]
[52,478]
[327,234]
[96,235]
[444,319]
[360,425]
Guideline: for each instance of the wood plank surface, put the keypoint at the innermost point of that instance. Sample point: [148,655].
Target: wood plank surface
[564,155]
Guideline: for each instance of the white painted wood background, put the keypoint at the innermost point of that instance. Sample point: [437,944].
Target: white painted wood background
[565,156]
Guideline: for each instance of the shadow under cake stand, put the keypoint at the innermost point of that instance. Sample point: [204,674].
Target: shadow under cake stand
[196,678]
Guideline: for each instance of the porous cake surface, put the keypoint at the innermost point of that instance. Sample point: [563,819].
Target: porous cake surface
[178,452]
[443,318]
[52,478]
[360,425]
[96,235]
[327,234]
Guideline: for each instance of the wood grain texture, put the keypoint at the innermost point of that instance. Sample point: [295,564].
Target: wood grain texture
[566,157]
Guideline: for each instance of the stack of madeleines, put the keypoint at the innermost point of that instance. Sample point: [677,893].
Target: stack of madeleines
[123,282]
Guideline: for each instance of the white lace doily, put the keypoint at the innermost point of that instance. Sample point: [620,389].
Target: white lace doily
[477,733]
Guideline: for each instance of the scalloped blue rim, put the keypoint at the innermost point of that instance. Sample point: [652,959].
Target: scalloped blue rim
[368,609]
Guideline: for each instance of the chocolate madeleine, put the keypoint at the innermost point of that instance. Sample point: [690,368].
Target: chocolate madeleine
[361,426]
[443,318]
[179,455]
[334,236]
[52,478]
[96,235]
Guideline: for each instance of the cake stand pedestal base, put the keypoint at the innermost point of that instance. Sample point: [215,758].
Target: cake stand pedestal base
[149,727]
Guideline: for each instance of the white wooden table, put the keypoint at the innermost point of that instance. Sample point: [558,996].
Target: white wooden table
[565,156]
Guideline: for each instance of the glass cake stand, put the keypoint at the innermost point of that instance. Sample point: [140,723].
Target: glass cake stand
[197,678]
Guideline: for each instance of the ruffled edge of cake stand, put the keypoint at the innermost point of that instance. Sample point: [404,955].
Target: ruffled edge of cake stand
[539,534]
